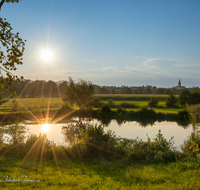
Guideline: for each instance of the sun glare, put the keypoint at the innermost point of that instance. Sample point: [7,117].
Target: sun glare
[46,55]
[45,127]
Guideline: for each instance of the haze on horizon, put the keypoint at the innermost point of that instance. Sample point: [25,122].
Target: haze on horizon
[109,42]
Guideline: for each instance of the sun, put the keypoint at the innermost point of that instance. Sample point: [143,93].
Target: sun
[45,127]
[46,55]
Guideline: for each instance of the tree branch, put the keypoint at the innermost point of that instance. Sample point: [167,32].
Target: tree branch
[1,3]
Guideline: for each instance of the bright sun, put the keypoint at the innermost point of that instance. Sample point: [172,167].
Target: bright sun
[45,127]
[46,55]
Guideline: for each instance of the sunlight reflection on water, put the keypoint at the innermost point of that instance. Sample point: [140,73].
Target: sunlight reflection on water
[130,130]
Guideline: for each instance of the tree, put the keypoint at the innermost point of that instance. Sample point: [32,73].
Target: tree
[7,1]
[153,102]
[171,101]
[195,97]
[184,97]
[81,93]
[11,54]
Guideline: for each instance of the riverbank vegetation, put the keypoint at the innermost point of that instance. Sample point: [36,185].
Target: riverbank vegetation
[95,159]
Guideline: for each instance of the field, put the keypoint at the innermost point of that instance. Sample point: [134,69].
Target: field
[133,95]
[55,103]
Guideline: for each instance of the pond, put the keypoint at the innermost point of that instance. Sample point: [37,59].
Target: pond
[128,129]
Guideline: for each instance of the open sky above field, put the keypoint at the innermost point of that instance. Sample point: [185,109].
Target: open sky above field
[110,42]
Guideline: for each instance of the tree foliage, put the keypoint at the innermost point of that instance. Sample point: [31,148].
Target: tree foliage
[7,1]
[184,97]
[153,102]
[80,93]
[11,53]
[171,101]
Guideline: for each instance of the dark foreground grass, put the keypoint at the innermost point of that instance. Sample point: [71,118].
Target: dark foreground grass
[100,174]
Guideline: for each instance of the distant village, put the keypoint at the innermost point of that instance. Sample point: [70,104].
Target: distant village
[43,88]
[148,89]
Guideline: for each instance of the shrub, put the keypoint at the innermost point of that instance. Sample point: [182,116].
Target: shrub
[153,102]
[105,108]
[111,103]
[96,143]
[145,112]
[191,147]
[184,97]
[171,101]
[183,114]
[121,110]
[160,150]
[73,132]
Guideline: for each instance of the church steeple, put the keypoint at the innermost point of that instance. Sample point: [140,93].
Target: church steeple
[179,83]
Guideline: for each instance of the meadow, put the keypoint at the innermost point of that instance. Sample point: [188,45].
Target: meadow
[35,104]
[101,174]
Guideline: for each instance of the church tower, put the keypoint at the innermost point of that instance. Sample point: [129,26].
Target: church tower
[179,83]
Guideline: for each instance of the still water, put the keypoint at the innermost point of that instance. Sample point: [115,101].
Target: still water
[130,130]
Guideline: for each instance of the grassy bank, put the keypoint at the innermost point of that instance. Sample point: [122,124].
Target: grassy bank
[102,174]
[97,160]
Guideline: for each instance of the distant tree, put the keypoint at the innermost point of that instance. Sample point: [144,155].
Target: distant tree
[153,102]
[171,101]
[103,90]
[162,91]
[51,89]
[184,97]
[128,91]
[195,89]
[148,90]
[62,87]
[113,91]
[154,89]
[80,93]
[195,98]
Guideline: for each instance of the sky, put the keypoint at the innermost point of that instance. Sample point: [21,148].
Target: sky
[109,42]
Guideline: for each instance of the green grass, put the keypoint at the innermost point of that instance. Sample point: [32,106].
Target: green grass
[34,101]
[157,110]
[45,102]
[101,174]
[138,102]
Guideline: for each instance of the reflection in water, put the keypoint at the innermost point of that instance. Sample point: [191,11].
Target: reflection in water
[68,131]
[72,131]
[13,133]
[45,127]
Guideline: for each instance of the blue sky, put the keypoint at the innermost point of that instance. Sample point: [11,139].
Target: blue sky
[110,42]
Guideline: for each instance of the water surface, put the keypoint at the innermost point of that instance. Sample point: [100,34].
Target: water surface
[130,130]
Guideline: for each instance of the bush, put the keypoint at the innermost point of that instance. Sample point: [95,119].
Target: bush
[121,110]
[111,103]
[96,143]
[184,97]
[160,150]
[145,112]
[191,147]
[183,114]
[171,101]
[153,102]
[105,108]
